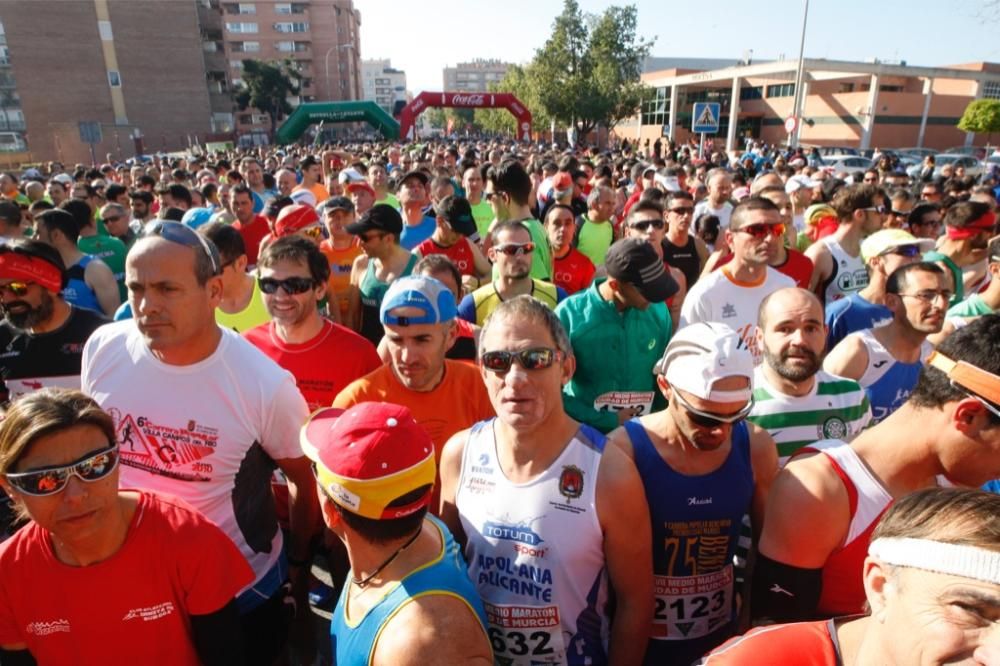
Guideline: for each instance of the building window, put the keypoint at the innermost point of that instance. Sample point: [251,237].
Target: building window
[291,27]
[991,90]
[247,8]
[890,88]
[781,90]
[246,28]
[114,79]
[751,92]
[236,64]
[285,47]
[846,88]
[251,47]
[283,8]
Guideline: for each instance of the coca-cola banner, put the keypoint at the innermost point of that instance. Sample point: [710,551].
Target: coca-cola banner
[474,100]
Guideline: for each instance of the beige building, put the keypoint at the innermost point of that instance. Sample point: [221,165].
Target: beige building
[856,104]
[475,76]
[382,83]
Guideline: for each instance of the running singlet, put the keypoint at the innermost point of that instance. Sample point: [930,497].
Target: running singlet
[594,238]
[835,408]
[460,253]
[800,643]
[476,307]
[573,271]
[843,592]
[888,382]
[254,314]
[340,260]
[372,291]
[31,361]
[536,552]
[446,575]
[848,276]
[77,292]
[696,525]
[684,258]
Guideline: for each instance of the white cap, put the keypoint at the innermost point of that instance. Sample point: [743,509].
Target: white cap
[701,354]
[796,183]
[304,197]
[350,175]
[669,183]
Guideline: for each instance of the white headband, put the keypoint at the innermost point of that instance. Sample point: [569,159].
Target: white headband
[946,558]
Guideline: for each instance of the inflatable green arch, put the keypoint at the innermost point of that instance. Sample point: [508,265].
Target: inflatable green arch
[336,112]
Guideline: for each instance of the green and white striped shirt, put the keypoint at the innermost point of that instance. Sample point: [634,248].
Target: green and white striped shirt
[836,408]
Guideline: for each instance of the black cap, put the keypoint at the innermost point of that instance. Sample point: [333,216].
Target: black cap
[458,213]
[380,217]
[338,203]
[635,261]
[416,173]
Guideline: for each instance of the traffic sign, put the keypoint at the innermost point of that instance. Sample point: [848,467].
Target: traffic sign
[790,123]
[706,118]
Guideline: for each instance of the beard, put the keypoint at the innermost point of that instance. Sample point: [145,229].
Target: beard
[779,363]
[30,317]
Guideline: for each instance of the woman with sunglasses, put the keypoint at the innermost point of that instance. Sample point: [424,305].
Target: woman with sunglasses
[100,575]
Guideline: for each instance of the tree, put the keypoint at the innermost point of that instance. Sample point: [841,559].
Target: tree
[981,116]
[515,81]
[267,87]
[588,72]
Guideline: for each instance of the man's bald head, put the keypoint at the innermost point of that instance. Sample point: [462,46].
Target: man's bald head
[769,179]
[788,300]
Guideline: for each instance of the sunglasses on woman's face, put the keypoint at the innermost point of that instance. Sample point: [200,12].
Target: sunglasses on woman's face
[51,480]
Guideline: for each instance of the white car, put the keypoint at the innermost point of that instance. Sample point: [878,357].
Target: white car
[838,163]
[973,167]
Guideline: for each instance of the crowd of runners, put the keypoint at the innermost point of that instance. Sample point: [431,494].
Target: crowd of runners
[522,404]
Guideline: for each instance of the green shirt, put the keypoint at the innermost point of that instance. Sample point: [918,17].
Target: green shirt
[615,354]
[956,275]
[254,314]
[482,212]
[390,200]
[594,239]
[973,306]
[112,252]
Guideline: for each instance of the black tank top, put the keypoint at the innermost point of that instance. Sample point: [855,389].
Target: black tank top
[685,259]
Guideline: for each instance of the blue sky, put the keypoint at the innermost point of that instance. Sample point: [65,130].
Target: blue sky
[424,37]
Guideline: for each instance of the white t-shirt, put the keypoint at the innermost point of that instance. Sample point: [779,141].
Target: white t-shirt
[717,297]
[207,433]
[723,213]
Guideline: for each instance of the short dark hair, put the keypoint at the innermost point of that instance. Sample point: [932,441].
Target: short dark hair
[62,221]
[438,263]
[81,212]
[896,282]
[227,238]
[173,214]
[240,189]
[678,195]
[978,344]
[917,214]
[508,225]
[647,206]
[964,213]
[558,206]
[180,193]
[10,214]
[382,531]
[747,206]
[142,195]
[113,191]
[300,250]
[855,197]
[510,177]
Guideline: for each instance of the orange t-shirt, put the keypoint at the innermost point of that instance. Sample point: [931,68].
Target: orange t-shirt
[319,191]
[340,261]
[801,643]
[459,401]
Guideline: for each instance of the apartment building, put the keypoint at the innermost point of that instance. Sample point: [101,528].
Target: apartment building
[382,83]
[475,76]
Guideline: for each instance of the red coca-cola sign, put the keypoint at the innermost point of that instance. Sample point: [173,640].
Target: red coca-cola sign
[459,99]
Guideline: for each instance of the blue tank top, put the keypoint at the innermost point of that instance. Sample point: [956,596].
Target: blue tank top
[354,645]
[372,291]
[77,292]
[696,525]
[887,381]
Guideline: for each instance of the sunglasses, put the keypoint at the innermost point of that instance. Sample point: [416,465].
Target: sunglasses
[710,419]
[292,285]
[175,232]
[643,225]
[905,251]
[16,288]
[515,249]
[51,480]
[881,210]
[762,231]
[314,232]
[113,219]
[529,359]
[683,210]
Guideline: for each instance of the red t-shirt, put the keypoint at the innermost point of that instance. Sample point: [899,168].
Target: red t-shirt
[253,234]
[573,272]
[323,366]
[801,643]
[132,608]
[460,254]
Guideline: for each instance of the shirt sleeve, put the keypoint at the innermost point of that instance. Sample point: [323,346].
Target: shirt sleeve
[284,415]
[467,309]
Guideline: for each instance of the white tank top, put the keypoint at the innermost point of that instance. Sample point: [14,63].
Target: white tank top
[536,552]
[849,274]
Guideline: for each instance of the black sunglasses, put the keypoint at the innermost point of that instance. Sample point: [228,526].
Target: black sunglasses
[175,232]
[642,225]
[529,359]
[292,285]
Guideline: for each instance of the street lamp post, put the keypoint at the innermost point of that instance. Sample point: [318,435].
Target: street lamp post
[798,101]
[326,62]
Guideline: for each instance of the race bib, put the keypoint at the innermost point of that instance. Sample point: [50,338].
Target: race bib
[615,401]
[692,606]
[525,634]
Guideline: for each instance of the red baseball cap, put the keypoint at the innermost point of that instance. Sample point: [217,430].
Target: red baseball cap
[294,218]
[370,455]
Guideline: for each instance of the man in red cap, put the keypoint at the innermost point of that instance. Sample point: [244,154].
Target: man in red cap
[41,336]
[408,587]
[301,220]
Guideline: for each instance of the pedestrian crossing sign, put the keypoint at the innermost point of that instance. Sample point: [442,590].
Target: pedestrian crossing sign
[706,118]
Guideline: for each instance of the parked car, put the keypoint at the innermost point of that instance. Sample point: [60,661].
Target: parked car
[975,151]
[973,167]
[838,163]
[837,151]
